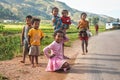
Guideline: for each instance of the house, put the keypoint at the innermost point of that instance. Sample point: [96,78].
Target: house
[112,25]
[8,21]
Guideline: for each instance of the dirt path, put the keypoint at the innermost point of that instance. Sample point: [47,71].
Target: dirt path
[15,70]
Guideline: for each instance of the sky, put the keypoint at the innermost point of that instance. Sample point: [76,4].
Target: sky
[105,7]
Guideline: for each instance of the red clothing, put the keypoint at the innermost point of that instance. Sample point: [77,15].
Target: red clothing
[66,20]
[96,27]
[84,38]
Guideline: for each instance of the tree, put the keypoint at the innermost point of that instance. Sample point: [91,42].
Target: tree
[90,20]
[95,20]
[118,20]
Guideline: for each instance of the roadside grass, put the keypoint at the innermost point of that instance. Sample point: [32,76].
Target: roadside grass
[3,77]
[15,32]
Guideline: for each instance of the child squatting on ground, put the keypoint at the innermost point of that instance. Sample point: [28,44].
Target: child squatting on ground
[83,25]
[54,52]
[24,37]
[57,24]
[35,35]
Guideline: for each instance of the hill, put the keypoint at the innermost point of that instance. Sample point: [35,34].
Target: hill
[41,8]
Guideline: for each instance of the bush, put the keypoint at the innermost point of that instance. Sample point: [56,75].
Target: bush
[9,46]
[1,27]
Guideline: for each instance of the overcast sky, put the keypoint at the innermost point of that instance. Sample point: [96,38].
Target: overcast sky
[106,7]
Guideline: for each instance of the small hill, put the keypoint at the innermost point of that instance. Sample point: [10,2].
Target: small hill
[18,9]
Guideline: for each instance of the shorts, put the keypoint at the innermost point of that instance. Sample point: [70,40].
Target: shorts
[25,47]
[84,38]
[34,50]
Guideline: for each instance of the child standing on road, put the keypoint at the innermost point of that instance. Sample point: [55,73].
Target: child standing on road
[65,20]
[56,20]
[56,60]
[83,25]
[96,28]
[35,35]
[24,41]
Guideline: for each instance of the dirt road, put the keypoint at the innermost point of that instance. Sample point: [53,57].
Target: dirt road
[103,60]
[101,63]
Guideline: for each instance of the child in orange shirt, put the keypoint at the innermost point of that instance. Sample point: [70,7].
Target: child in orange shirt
[34,37]
[83,25]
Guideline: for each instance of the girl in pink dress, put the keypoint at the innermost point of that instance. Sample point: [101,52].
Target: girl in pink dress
[54,52]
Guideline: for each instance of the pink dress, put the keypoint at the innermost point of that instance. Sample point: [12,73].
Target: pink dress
[57,61]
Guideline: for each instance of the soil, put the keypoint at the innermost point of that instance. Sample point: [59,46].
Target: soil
[15,70]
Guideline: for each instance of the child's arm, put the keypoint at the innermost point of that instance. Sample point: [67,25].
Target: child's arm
[47,49]
[22,36]
[29,41]
[29,36]
[78,25]
[69,21]
[88,25]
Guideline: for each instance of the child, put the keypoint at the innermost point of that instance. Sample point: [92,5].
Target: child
[65,20]
[24,37]
[58,25]
[56,20]
[96,28]
[34,37]
[56,60]
[83,26]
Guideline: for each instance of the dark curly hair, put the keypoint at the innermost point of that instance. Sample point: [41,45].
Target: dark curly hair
[58,31]
[54,9]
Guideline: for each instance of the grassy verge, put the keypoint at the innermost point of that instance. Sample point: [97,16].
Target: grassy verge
[12,44]
[3,77]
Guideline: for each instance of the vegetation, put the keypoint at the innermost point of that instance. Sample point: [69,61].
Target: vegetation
[10,39]
[3,77]
[19,9]
[6,14]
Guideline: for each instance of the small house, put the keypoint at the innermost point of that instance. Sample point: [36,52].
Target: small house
[112,25]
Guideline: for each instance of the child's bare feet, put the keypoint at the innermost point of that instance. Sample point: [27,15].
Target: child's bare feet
[33,66]
[65,57]
[37,65]
[22,61]
[83,53]
[66,69]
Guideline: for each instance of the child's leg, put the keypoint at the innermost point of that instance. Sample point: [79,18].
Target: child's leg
[25,51]
[66,66]
[36,59]
[83,46]
[86,45]
[32,60]
[24,54]
[65,57]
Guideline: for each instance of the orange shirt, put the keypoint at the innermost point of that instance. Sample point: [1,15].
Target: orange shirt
[35,36]
[83,24]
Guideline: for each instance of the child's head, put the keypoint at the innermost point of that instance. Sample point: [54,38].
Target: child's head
[35,23]
[55,11]
[83,15]
[65,13]
[28,20]
[58,36]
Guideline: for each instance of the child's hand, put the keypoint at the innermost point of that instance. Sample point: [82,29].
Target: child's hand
[29,45]
[52,55]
